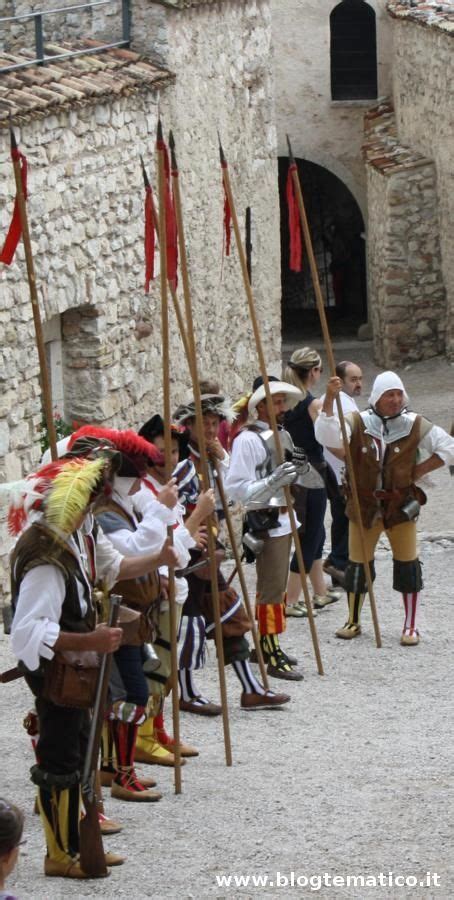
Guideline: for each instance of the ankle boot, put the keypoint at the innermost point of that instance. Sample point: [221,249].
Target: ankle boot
[126,785]
[148,750]
[168,742]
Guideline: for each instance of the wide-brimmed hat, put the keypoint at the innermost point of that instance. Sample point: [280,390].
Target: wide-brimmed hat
[292,394]
[216,404]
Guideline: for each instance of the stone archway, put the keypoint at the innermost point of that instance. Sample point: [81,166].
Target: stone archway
[338,233]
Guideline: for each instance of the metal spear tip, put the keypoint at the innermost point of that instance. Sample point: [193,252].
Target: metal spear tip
[221,150]
[144,172]
[11,134]
[290,151]
[173,157]
[159,135]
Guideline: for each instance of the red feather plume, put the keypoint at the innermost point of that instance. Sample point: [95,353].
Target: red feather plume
[127,442]
[16,520]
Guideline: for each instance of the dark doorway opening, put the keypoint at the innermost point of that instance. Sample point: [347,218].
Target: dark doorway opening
[337,230]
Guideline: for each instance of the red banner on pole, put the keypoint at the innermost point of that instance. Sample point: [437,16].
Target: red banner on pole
[15,229]
[171,223]
[294,224]
[227,220]
[149,239]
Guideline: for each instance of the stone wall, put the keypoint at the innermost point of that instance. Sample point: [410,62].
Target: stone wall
[423,77]
[86,216]
[406,287]
[231,44]
[322,131]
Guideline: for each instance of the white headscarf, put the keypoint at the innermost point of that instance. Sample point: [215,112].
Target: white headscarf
[386,381]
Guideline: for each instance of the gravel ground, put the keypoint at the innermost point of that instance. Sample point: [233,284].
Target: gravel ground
[355,777]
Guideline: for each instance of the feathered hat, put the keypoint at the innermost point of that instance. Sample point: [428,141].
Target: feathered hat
[61,491]
[216,404]
[136,453]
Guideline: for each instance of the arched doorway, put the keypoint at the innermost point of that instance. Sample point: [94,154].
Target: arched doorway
[338,235]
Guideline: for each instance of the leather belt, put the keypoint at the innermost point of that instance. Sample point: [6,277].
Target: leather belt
[384,495]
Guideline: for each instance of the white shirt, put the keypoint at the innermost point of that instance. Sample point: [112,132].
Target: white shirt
[36,623]
[248,453]
[182,539]
[338,465]
[151,532]
[437,440]
[223,463]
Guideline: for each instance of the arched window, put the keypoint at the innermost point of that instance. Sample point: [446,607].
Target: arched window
[353,51]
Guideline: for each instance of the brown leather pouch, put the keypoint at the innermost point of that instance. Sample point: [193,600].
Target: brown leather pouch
[138,628]
[71,678]
[204,572]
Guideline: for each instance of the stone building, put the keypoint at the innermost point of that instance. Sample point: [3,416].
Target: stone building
[380,179]
[410,173]
[324,120]
[83,122]
[362,88]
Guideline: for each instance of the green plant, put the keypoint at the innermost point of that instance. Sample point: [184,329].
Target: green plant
[62,429]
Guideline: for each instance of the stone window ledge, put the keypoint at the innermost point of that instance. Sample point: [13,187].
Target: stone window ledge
[359,103]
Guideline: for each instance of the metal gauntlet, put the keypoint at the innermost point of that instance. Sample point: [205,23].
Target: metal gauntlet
[259,493]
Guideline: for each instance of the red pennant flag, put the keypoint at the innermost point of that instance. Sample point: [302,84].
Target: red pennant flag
[172,235]
[294,224]
[149,238]
[227,220]
[171,222]
[15,229]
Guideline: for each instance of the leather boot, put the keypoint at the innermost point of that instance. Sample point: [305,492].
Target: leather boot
[126,785]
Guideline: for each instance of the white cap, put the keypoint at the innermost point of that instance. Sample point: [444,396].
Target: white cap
[386,381]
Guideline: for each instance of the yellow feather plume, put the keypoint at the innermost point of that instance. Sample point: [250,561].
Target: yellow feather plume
[240,404]
[71,492]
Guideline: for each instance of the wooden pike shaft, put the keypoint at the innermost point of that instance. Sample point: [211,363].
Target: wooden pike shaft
[332,367]
[270,408]
[168,463]
[44,375]
[204,462]
[240,573]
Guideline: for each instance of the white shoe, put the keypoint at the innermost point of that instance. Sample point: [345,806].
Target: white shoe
[335,592]
[294,611]
[303,606]
[319,602]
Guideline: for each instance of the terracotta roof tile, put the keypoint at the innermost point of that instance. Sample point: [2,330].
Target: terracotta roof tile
[31,92]
[381,147]
[434,13]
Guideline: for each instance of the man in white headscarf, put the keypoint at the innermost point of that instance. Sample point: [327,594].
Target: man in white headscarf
[392,450]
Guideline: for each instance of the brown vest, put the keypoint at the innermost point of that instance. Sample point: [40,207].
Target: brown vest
[384,487]
[38,547]
[138,593]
